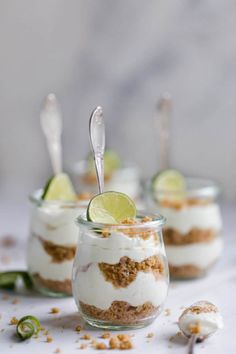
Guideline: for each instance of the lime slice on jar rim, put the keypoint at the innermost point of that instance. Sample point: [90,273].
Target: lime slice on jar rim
[59,187]
[168,184]
[110,208]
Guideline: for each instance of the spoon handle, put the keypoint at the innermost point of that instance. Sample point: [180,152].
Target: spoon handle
[164,113]
[97,139]
[191,344]
[51,123]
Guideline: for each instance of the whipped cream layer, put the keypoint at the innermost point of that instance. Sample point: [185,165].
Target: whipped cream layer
[40,262]
[200,255]
[55,224]
[94,248]
[208,322]
[91,288]
[195,216]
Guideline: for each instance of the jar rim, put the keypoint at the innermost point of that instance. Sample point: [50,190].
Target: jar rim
[157,221]
[196,188]
[36,198]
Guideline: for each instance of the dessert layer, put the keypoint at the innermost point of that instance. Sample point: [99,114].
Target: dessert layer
[95,249]
[200,255]
[120,312]
[190,217]
[186,271]
[208,322]
[56,224]
[58,254]
[125,272]
[91,288]
[173,237]
[40,262]
[53,285]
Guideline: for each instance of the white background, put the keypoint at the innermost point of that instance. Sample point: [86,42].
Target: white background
[121,55]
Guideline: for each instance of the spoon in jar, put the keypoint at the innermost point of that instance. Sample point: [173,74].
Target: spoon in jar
[97,139]
[51,123]
[164,113]
[199,321]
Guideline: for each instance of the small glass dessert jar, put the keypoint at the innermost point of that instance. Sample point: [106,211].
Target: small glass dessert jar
[120,274]
[52,244]
[125,179]
[193,231]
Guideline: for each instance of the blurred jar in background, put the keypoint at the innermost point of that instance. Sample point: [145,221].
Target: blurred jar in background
[120,177]
[193,231]
[52,244]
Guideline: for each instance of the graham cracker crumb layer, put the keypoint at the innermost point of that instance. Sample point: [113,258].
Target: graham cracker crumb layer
[120,312]
[125,272]
[186,271]
[188,202]
[53,285]
[195,235]
[58,253]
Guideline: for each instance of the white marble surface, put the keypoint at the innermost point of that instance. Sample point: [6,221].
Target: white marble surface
[219,287]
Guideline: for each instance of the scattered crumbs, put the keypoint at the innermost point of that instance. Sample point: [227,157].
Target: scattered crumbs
[146,219]
[78,328]
[15,301]
[114,343]
[42,328]
[54,310]
[5,297]
[57,351]
[13,321]
[121,341]
[49,339]
[150,335]
[83,346]
[106,335]
[46,333]
[8,241]
[105,233]
[86,337]
[167,312]
[93,342]
[100,346]
[127,344]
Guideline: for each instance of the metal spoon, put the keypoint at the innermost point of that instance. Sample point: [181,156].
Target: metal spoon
[97,139]
[51,123]
[164,114]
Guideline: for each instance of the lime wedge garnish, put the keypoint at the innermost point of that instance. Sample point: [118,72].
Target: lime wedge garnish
[110,208]
[168,184]
[59,188]
[111,162]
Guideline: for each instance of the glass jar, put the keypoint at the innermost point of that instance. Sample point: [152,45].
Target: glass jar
[52,244]
[120,274]
[126,179]
[193,230]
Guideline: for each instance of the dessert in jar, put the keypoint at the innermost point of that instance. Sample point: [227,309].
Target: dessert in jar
[120,273]
[53,236]
[193,231]
[118,177]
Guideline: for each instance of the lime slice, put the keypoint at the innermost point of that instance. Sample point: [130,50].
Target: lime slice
[111,162]
[110,208]
[59,188]
[168,184]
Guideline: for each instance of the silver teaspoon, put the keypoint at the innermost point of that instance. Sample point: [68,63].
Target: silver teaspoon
[51,123]
[164,113]
[97,139]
